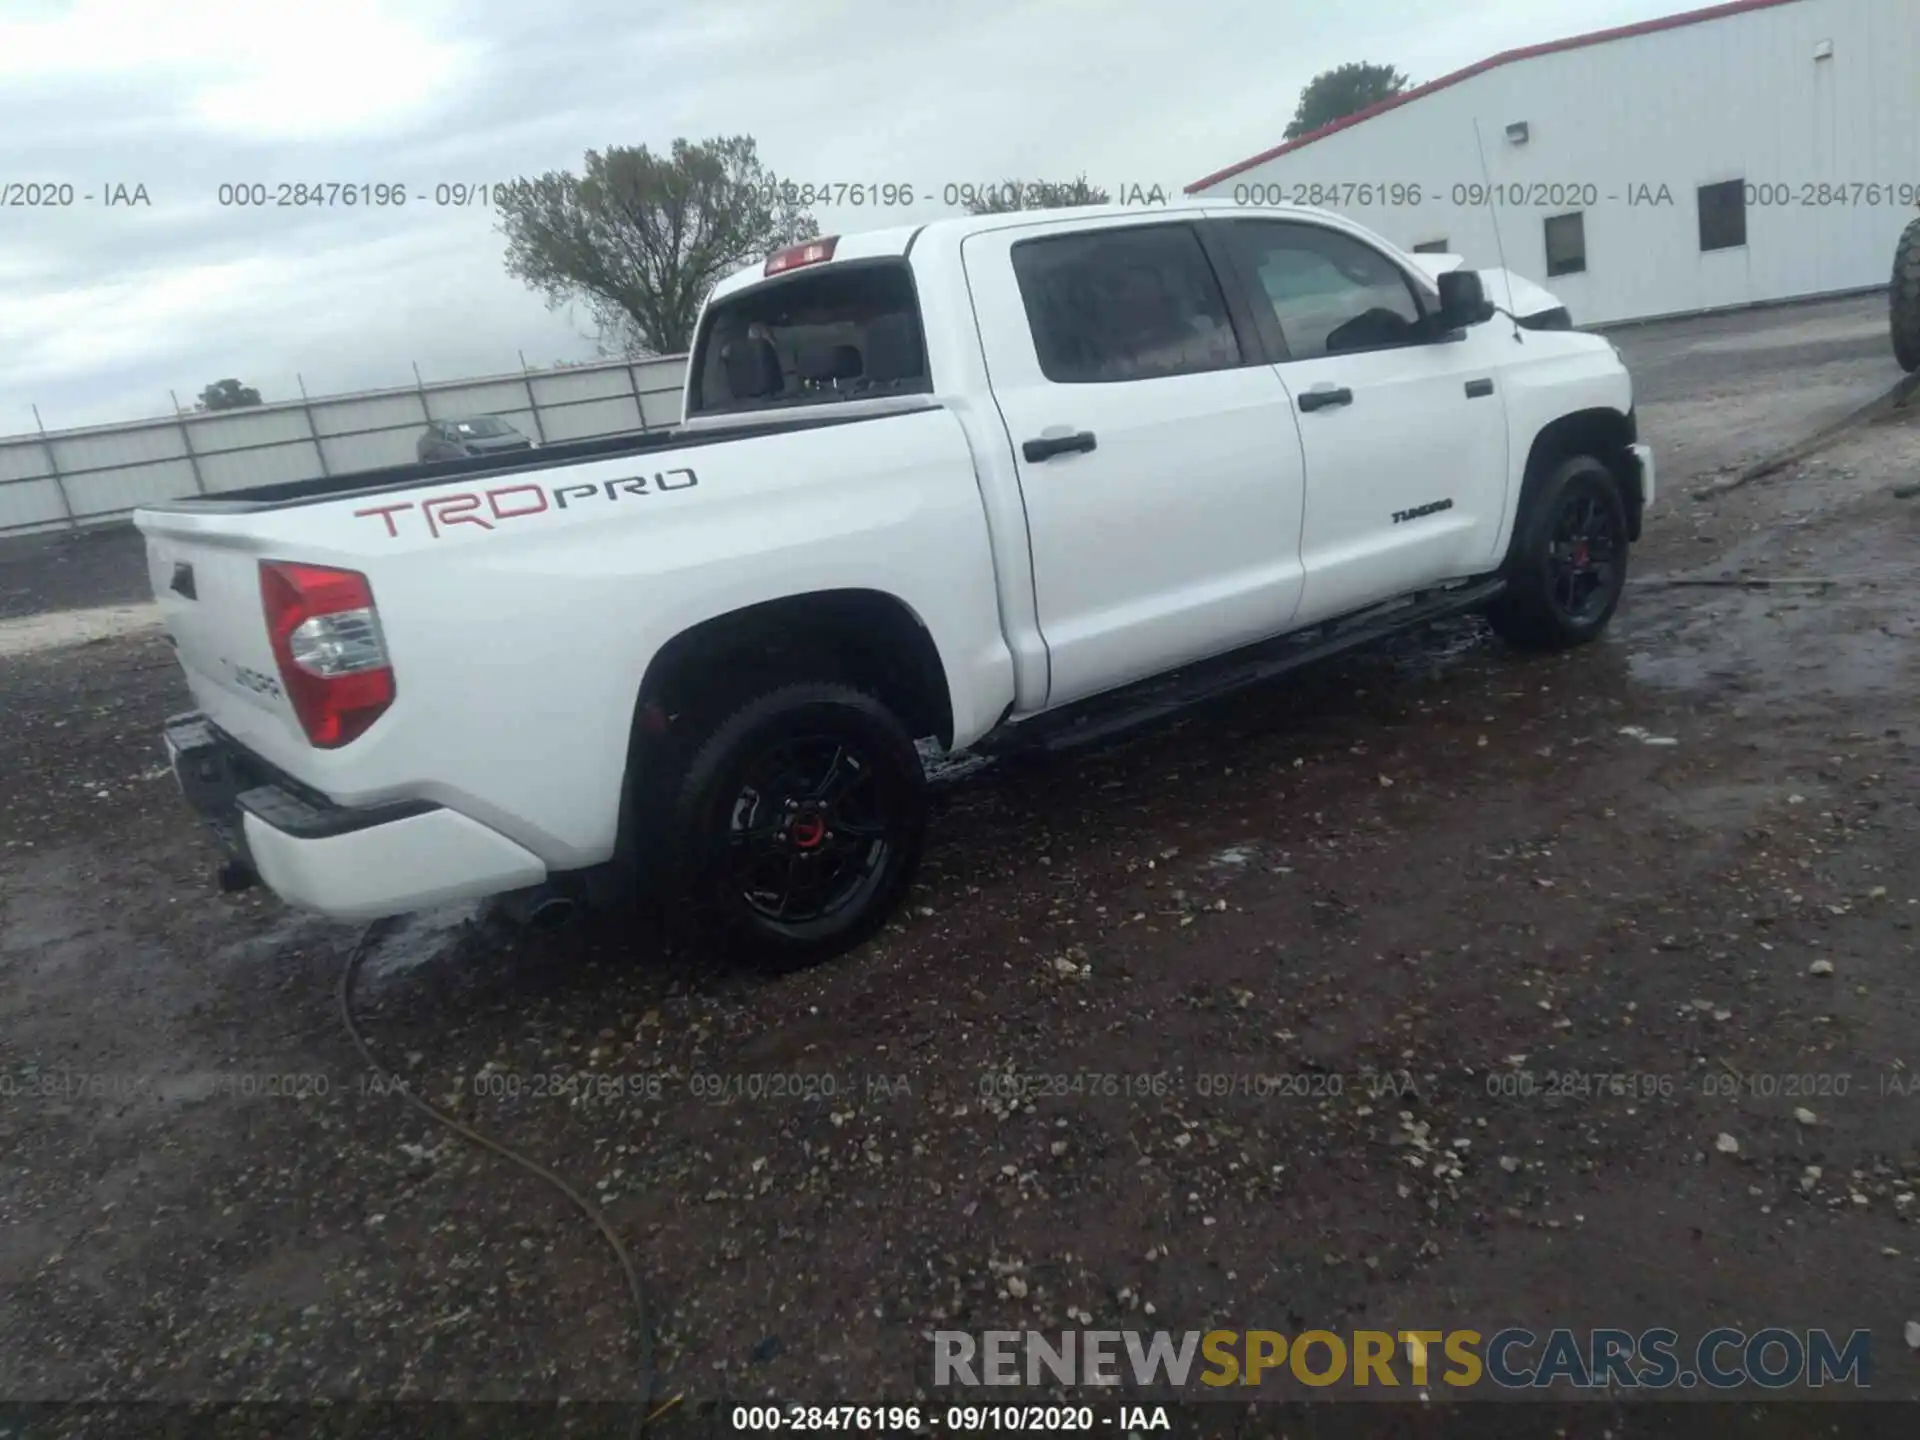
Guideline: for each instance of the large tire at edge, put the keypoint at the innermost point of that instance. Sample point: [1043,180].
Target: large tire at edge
[1905,299]
[769,747]
[1529,614]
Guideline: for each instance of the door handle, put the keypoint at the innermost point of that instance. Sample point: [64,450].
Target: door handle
[1320,398]
[1048,446]
[1479,389]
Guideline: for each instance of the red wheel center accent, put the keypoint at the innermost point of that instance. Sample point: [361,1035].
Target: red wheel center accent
[1579,554]
[808,830]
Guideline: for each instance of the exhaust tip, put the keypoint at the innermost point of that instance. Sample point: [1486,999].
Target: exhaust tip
[543,907]
[551,913]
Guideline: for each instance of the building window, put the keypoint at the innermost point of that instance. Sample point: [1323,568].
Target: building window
[1431,247]
[1133,304]
[1723,215]
[1567,243]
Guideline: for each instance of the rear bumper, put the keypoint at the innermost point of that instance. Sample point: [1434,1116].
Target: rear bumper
[349,862]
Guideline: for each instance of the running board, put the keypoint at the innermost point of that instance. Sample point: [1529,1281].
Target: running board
[1103,716]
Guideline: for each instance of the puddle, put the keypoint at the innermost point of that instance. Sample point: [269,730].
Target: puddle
[1760,644]
[418,939]
[287,931]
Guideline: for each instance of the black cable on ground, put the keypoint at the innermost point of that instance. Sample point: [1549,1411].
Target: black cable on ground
[355,959]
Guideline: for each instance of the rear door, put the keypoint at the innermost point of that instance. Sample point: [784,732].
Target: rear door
[1405,434]
[1158,457]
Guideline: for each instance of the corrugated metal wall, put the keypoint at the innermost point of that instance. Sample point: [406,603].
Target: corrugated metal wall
[78,477]
[1743,97]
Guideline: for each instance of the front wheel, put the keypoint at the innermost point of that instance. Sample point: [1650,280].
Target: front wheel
[1568,563]
[798,824]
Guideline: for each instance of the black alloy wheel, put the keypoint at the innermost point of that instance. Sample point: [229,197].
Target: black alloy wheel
[1567,566]
[810,829]
[798,825]
[1584,555]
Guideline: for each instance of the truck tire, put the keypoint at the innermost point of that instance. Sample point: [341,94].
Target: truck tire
[797,826]
[1906,299]
[1568,562]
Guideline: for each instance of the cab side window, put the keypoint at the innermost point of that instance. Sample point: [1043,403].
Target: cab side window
[1330,293]
[1125,304]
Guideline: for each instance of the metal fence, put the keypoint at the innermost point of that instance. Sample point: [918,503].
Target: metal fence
[57,479]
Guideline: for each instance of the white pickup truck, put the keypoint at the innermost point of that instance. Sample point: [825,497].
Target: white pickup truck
[986,482]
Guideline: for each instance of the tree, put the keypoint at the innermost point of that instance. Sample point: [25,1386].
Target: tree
[227,395]
[1012,195]
[1335,94]
[640,238]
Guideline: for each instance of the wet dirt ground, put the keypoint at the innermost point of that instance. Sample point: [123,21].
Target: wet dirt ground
[1436,988]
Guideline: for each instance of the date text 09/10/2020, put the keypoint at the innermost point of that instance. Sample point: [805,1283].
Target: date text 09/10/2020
[888,194]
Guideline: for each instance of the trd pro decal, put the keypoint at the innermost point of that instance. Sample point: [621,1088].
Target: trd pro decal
[486,508]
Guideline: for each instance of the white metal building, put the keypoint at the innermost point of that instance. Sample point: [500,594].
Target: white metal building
[1755,151]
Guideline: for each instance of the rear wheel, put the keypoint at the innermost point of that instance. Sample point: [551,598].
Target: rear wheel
[798,825]
[1906,299]
[1568,563]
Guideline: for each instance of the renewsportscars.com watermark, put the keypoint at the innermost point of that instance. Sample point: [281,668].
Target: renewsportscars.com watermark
[1512,1359]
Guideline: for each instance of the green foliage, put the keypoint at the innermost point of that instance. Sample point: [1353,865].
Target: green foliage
[640,239]
[1346,90]
[228,395]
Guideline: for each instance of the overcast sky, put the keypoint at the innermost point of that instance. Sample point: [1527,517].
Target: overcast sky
[103,310]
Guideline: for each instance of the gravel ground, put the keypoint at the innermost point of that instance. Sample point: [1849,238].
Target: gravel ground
[1267,1019]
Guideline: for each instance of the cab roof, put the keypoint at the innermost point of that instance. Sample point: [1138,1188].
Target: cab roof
[897,240]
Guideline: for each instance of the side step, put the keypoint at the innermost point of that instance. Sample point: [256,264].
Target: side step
[1104,716]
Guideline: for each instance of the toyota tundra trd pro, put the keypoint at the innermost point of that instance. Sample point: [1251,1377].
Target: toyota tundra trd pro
[986,482]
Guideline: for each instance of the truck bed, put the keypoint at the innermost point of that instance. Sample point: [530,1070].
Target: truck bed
[291,493]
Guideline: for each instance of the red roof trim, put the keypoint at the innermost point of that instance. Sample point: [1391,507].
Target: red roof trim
[1506,57]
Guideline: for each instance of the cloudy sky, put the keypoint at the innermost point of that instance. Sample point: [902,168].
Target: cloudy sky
[104,310]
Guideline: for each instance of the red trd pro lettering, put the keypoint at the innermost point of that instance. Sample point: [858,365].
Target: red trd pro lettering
[482,508]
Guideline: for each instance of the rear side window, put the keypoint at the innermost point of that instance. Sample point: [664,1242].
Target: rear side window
[841,332]
[1135,304]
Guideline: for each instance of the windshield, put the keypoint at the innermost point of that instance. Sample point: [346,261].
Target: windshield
[836,333]
[483,428]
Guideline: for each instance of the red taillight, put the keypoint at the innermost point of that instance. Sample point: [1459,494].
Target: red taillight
[327,641]
[808,252]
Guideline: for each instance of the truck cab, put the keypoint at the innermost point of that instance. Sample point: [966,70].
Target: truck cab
[1198,426]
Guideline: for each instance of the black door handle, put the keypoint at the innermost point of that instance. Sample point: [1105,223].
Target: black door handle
[1479,389]
[1325,399]
[1052,445]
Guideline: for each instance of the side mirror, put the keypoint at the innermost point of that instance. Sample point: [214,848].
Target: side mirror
[1463,300]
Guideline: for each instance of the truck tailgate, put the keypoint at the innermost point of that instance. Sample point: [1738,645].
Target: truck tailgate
[206,577]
